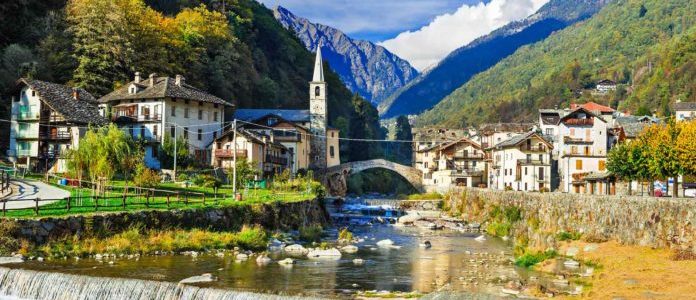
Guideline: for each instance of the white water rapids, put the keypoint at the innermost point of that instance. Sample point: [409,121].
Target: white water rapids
[18,284]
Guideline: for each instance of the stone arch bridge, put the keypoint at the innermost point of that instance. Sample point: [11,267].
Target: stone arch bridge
[335,178]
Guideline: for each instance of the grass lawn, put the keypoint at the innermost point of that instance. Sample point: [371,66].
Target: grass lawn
[167,196]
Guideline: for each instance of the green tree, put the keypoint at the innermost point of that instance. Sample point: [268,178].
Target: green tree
[403,133]
[246,172]
[166,155]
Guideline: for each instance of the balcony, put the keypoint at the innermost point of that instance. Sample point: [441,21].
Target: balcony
[52,154]
[530,162]
[229,153]
[469,156]
[27,115]
[287,136]
[51,117]
[579,122]
[466,172]
[278,160]
[572,140]
[148,138]
[133,118]
[24,152]
[56,136]
[583,152]
[534,148]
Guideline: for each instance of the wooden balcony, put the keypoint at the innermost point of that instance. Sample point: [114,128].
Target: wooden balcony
[580,122]
[229,153]
[56,136]
[278,160]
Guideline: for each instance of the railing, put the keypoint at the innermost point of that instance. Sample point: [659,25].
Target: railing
[467,172]
[51,154]
[4,182]
[52,118]
[278,160]
[534,148]
[580,122]
[61,135]
[469,155]
[28,115]
[26,134]
[24,152]
[229,153]
[530,161]
[136,118]
[581,152]
[571,140]
[149,138]
[287,136]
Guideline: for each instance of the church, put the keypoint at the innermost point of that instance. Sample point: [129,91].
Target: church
[280,139]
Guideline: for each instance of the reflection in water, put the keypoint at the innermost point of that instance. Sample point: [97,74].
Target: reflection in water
[411,268]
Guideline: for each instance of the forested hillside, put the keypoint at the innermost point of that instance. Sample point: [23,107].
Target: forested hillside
[459,66]
[644,45]
[233,49]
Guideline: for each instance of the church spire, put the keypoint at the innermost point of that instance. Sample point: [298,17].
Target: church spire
[318,67]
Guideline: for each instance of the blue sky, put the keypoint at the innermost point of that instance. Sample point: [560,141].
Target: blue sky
[373,20]
[423,32]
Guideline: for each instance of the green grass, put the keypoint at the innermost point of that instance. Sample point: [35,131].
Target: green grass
[568,236]
[529,259]
[311,233]
[82,203]
[426,196]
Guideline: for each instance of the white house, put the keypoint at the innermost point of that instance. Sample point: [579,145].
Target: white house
[158,106]
[457,163]
[522,163]
[605,86]
[583,153]
[48,119]
[685,111]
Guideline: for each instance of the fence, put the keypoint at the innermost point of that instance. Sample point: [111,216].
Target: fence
[4,182]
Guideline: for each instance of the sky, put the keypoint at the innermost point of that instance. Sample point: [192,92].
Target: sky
[421,31]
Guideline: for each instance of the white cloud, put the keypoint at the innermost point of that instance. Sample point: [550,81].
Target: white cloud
[430,44]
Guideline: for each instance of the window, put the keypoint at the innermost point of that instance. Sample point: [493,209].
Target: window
[525,172]
[215,116]
[549,131]
[602,165]
[572,132]
[173,111]
[186,112]
[271,121]
[200,114]
[425,164]
[541,174]
[172,131]
[578,164]
[142,131]
[525,186]
[317,91]
[200,134]
[154,130]
[331,151]
[33,93]
[332,134]
[186,133]
[155,151]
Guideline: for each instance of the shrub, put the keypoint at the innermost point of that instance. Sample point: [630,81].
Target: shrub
[252,238]
[345,235]
[182,177]
[8,243]
[544,190]
[499,228]
[568,236]
[426,196]
[146,177]
[311,233]
[508,188]
[529,259]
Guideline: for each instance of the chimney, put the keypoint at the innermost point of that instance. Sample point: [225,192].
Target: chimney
[137,77]
[179,80]
[75,94]
[152,79]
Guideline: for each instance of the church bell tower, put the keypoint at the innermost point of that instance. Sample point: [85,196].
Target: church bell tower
[317,114]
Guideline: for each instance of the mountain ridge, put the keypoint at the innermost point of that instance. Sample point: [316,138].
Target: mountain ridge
[366,68]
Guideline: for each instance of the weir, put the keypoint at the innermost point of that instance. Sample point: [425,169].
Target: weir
[26,284]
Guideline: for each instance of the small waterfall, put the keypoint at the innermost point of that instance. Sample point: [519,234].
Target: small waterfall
[26,284]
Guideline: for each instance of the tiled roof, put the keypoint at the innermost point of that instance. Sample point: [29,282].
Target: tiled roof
[583,109]
[292,115]
[594,107]
[685,106]
[506,127]
[60,98]
[163,87]
[516,140]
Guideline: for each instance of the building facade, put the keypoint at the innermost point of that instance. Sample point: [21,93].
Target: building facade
[458,163]
[522,163]
[152,109]
[685,111]
[47,120]
[268,155]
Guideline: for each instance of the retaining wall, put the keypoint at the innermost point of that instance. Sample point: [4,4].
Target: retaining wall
[645,221]
[273,216]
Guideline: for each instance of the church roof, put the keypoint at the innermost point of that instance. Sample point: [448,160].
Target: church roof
[292,115]
[318,67]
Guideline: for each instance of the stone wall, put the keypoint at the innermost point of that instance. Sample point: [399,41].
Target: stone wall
[634,220]
[274,216]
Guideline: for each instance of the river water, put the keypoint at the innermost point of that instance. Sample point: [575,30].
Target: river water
[455,262]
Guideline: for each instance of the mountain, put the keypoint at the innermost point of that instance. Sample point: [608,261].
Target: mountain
[460,65]
[647,46]
[235,50]
[367,69]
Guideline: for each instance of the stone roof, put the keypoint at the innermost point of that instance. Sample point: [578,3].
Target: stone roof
[164,87]
[516,140]
[505,127]
[60,98]
[292,115]
[551,116]
[632,130]
[685,106]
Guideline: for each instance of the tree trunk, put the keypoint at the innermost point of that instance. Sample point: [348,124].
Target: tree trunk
[675,187]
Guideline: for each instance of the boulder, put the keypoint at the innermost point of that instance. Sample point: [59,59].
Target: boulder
[385,243]
[11,260]
[409,219]
[199,279]
[296,250]
[286,262]
[242,257]
[263,260]
[350,249]
[481,238]
[358,261]
[332,253]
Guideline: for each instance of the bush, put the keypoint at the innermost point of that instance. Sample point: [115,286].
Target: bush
[311,233]
[544,190]
[146,177]
[8,243]
[529,259]
[426,196]
[499,229]
[252,238]
[345,235]
[568,236]
[182,177]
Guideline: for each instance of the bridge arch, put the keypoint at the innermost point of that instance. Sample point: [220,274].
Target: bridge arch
[335,178]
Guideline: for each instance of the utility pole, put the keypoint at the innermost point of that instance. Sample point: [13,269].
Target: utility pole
[175,153]
[234,159]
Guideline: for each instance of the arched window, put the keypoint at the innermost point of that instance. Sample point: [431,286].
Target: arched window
[317,91]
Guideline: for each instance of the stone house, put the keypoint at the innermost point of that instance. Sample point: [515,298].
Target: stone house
[605,86]
[685,111]
[522,163]
[47,120]
[457,163]
[152,108]
[268,155]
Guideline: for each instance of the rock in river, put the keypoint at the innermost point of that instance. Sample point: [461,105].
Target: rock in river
[385,243]
[296,250]
[11,260]
[198,279]
[286,262]
[332,253]
[350,249]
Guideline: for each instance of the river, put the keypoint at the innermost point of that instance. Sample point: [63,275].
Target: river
[455,262]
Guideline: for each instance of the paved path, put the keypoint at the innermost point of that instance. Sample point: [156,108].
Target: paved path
[29,190]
